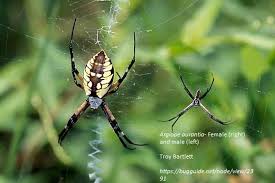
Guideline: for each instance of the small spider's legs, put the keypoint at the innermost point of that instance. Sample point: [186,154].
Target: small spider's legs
[186,89]
[75,72]
[116,127]
[208,89]
[212,116]
[73,120]
[179,115]
[117,84]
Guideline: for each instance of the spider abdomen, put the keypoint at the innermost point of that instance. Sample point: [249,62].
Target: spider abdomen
[98,75]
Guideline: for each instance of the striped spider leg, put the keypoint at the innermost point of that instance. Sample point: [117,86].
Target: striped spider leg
[196,103]
[75,72]
[73,119]
[117,84]
[97,83]
[116,128]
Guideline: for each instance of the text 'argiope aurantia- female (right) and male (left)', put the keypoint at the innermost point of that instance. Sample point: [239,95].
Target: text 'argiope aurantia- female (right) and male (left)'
[97,82]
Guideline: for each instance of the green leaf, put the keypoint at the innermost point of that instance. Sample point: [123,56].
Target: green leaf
[253,63]
[196,29]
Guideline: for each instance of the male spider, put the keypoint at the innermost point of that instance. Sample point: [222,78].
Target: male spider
[197,103]
[97,83]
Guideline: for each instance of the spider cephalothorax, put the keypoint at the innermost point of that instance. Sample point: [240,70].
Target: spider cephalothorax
[196,103]
[97,82]
[196,100]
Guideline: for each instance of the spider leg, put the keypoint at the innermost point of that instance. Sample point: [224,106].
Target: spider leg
[179,115]
[73,119]
[117,84]
[172,127]
[118,75]
[116,128]
[186,89]
[208,89]
[75,72]
[211,116]
[121,140]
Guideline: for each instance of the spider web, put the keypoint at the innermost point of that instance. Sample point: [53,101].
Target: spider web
[99,36]
[97,21]
[102,36]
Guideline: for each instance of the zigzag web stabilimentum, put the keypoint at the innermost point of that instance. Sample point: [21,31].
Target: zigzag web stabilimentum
[94,155]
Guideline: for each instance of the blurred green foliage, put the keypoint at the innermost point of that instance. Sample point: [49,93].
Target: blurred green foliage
[234,40]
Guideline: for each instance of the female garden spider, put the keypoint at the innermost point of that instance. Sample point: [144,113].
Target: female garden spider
[197,103]
[97,83]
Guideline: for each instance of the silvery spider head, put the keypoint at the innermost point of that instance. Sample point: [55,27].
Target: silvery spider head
[197,98]
[95,102]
